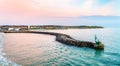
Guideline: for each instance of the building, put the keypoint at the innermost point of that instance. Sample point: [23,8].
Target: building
[13,28]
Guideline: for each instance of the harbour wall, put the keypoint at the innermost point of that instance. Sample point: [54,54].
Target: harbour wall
[65,39]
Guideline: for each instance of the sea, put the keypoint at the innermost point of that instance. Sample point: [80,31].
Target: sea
[25,49]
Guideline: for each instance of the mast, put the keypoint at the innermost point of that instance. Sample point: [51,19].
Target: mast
[97,41]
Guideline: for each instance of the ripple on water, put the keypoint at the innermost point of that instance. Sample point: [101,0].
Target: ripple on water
[40,49]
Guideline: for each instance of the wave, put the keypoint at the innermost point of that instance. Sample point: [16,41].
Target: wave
[4,61]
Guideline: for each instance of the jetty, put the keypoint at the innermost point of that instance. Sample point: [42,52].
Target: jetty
[65,39]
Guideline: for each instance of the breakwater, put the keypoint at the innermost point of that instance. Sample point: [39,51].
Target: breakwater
[65,39]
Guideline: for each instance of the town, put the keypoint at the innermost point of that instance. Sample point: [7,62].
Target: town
[46,27]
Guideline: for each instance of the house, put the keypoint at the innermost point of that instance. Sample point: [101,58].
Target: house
[13,28]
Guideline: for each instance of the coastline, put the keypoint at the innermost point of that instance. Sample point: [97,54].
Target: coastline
[27,47]
[62,38]
[3,60]
[59,49]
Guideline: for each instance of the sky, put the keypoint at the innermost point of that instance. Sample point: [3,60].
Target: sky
[60,12]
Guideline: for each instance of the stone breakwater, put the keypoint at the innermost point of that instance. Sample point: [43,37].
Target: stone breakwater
[65,39]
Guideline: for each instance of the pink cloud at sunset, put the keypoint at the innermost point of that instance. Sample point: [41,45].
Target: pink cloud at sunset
[34,9]
[51,8]
[55,11]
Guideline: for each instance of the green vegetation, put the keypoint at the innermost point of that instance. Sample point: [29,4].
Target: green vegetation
[85,27]
[63,27]
[42,27]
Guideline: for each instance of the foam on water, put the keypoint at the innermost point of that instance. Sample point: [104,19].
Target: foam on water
[4,61]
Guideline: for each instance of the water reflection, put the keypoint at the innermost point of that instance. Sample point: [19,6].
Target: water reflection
[98,53]
[25,49]
[43,50]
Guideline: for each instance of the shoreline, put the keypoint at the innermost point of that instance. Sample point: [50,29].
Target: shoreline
[3,60]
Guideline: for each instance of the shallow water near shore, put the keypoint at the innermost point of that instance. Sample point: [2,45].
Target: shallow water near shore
[42,50]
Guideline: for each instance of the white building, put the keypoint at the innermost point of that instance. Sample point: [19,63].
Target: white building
[16,29]
[10,29]
[13,29]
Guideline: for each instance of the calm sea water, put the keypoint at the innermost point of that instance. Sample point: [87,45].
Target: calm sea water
[42,50]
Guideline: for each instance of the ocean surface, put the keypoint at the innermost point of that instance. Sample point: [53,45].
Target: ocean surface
[22,49]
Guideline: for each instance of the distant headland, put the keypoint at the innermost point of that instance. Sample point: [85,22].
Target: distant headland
[46,27]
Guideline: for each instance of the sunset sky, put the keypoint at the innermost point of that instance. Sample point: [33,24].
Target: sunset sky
[60,12]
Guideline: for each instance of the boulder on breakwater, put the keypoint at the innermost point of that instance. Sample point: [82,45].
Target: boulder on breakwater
[66,39]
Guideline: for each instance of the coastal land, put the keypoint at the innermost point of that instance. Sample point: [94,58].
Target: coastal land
[63,38]
[44,27]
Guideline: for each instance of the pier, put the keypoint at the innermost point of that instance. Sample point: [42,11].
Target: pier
[65,39]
